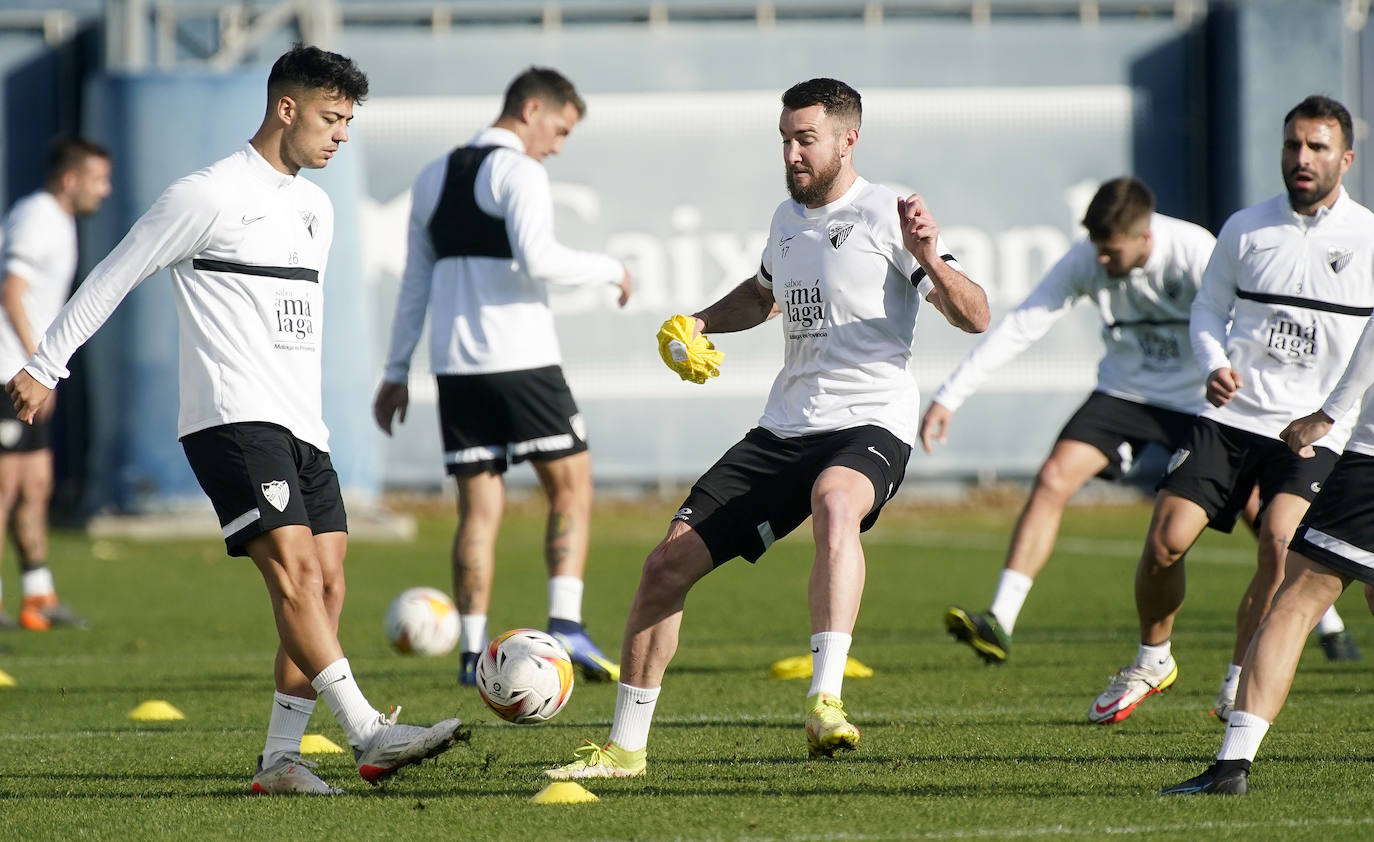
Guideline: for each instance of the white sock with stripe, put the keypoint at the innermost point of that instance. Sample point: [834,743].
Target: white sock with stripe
[286,727]
[634,713]
[336,686]
[829,652]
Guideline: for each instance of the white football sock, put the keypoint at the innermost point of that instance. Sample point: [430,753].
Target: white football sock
[335,684]
[1010,596]
[474,632]
[634,713]
[565,598]
[37,582]
[1230,684]
[1330,623]
[286,727]
[1244,733]
[1155,657]
[829,651]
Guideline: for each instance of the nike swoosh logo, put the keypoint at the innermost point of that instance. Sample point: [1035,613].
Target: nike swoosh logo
[1099,709]
[285,705]
[335,681]
[816,651]
[643,701]
[880,456]
[1261,249]
[247,220]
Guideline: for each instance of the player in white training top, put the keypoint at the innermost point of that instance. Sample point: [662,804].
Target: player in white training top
[247,240]
[1141,270]
[847,265]
[480,258]
[1285,296]
[39,265]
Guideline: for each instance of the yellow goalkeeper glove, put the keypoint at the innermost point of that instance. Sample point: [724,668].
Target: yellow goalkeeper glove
[694,358]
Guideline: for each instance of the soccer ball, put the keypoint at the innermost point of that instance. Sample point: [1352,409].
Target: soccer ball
[422,621]
[525,676]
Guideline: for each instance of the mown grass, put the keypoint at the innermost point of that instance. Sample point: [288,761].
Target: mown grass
[951,749]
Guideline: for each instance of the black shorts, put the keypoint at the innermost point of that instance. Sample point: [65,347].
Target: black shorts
[1219,466]
[259,477]
[489,421]
[1121,429]
[1338,530]
[18,437]
[760,490]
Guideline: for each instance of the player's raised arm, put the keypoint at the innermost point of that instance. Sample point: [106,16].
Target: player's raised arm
[962,302]
[745,306]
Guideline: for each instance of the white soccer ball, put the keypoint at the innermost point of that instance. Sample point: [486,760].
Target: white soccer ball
[422,621]
[525,676]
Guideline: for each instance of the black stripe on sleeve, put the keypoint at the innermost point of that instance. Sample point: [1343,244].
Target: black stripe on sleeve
[920,273]
[1305,303]
[764,272]
[290,273]
[1147,323]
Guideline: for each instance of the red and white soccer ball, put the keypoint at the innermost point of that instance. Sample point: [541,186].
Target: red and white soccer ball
[422,621]
[525,676]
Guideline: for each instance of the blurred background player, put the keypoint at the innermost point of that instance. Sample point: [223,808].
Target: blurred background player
[481,256]
[847,264]
[39,259]
[1288,289]
[247,239]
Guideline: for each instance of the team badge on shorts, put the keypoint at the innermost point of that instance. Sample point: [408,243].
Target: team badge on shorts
[1180,456]
[839,232]
[277,493]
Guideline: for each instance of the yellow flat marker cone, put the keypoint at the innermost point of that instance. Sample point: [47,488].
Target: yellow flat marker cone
[319,744]
[799,666]
[563,792]
[6,680]
[155,710]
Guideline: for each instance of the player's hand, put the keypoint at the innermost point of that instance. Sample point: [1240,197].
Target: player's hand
[626,285]
[687,351]
[28,395]
[919,228]
[1300,433]
[1222,385]
[391,402]
[935,426]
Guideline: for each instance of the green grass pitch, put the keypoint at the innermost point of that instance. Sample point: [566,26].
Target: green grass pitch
[951,749]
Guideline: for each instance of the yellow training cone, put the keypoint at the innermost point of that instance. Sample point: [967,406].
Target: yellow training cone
[155,710]
[6,680]
[563,792]
[799,666]
[319,744]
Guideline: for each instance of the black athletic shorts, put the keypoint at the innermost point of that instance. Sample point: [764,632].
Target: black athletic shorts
[18,437]
[760,490]
[489,421]
[259,477]
[1338,530]
[1121,429]
[1219,466]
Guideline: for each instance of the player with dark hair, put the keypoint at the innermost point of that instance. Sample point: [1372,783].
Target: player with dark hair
[1140,269]
[247,240]
[1288,289]
[481,256]
[39,264]
[847,265]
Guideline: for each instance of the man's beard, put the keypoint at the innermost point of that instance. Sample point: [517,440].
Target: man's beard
[818,189]
[1302,197]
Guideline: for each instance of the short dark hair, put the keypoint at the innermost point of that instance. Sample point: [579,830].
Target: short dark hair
[543,83]
[1118,206]
[838,99]
[310,68]
[67,153]
[1321,107]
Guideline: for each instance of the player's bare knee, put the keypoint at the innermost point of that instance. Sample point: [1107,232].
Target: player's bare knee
[669,571]
[1052,483]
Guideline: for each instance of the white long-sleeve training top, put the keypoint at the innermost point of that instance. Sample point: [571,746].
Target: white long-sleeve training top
[1144,321]
[247,247]
[487,297]
[1297,291]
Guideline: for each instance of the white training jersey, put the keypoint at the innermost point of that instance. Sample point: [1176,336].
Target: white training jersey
[1144,314]
[247,246]
[40,247]
[1297,291]
[1352,392]
[487,313]
[848,292]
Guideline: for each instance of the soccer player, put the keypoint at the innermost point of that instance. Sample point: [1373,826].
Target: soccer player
[1292,278]
[1333,546]
[247,240]
[39,265]
[481,258]
[847,264]
[1141,269]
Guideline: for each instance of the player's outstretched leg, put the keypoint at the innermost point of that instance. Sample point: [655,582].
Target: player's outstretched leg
[594,761]
[393,746]
[1224,777]
[289,774]
[981,632]
[827,730]
[1130,686]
